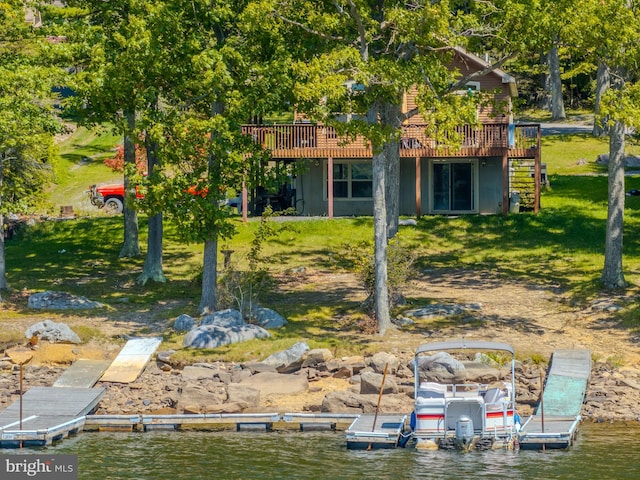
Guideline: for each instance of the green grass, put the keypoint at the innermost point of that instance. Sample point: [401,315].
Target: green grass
[81,165]
[562,246]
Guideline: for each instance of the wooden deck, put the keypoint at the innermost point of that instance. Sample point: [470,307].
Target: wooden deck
[557,418]
[48,414]
[297,141]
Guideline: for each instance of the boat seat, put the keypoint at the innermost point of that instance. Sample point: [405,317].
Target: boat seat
[494,398]
[432,390]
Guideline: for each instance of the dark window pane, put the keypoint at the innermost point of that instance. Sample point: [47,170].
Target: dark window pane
[362,189]
[340,189]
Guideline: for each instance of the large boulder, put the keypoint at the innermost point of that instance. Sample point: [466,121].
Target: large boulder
[348,402]
[288,360]
[214,336]
[243,395]
[277,383]
[381,360]
[371,383]
[223,318]
[317,356]
[184,323]
[267,318]
[53,332]
[199,398]
[51,300]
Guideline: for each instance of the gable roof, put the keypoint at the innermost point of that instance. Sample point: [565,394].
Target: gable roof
[504,76]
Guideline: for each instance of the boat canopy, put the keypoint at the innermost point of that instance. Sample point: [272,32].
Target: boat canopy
[464,345]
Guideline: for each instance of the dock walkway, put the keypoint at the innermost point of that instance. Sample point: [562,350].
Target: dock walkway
[371,431]
[555,422]
[48,414]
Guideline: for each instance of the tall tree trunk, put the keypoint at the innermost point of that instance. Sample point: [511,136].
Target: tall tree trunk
[557,102]
[390,115]
[381,304]
[152,269]
[3,268]
[602,84]
[131,244]
[208,299]
[612,275]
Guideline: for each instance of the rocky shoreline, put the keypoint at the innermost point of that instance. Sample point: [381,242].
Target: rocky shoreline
[315,383]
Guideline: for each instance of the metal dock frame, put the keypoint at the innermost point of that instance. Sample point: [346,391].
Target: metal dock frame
[387,433]
[557,418]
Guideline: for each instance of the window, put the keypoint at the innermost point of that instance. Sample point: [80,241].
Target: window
[351,180]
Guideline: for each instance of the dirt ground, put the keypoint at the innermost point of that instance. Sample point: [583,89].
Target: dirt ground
[534,319]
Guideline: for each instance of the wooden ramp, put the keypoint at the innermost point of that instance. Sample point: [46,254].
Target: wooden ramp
[555,423]
[131,360]
[82,374]
[387,432]
[48,414]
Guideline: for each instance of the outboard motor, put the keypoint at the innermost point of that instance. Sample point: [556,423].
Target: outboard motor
[464,432]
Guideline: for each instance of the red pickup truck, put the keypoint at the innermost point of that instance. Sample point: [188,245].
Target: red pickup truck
[110,196]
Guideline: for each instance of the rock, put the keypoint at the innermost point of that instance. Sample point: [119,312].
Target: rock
[223,318]
[347,402]
[440,361]
[370,383]
[443,310]
[632,161]
[289,360]
[165,356]
[381,359]
[197,373]
[277,383]
[267,318]
[317,356]
[213,336]
[411,222]
[196,398]
[51,300]
[53,332]
[184,323]
[243,394]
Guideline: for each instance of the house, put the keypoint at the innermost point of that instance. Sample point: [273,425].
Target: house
[496,162]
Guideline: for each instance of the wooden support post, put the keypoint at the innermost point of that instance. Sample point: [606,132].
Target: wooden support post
[330,187]
[505,183]
[245,203]
[418,189]
[537,176]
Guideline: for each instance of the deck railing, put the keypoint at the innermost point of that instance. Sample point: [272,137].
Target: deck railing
[313,141]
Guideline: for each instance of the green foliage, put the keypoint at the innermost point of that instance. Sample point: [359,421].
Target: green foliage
[243,288]
[400,261]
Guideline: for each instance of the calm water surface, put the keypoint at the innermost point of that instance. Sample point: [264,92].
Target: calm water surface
[601,452]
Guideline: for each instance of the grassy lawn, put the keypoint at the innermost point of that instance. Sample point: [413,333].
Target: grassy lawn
[561,246]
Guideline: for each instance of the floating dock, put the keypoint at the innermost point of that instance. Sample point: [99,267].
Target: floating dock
[369,432]
[556,420]
[48,414]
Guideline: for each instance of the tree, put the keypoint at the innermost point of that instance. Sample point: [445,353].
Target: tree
[220,78]
[386,48]
[115,80]
[615,47]
[27,118]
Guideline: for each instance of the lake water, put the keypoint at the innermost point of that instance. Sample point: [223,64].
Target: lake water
[602,451]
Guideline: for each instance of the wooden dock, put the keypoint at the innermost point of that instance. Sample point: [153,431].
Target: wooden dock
[381,431]
[48,414]
[555,423]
